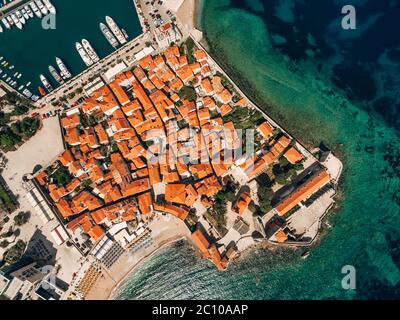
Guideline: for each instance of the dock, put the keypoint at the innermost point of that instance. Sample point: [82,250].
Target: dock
[12,6]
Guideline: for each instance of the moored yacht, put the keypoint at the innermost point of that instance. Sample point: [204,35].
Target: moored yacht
[46,83]
[90,51]
[16,21]
[116,30]
[55,75]
[42,7]
[82,52]
[20,16]
[109,36]
[5,22]
[29,11]
[25,14]
[10,20]
[64,71]
[35,9]
[49,6]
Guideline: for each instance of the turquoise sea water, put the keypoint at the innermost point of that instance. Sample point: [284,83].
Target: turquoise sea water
[32,49]
[300,94]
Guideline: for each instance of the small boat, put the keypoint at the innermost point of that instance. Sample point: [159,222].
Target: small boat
[82,52]
[41,7]
[115,30]
[6,24]
[41,90]
[35,98]
[28,84]
[64,71]
[19,76]
[1,29]
[49,6]
[46,83]
[305,254]
[55,75]
[27,93]
[109,36]
[20,87]
[90,51]
[25,14]
[16,21]
[29,11]
[15,74]
[12,67]
[20,16]
[10,20]
[35,9]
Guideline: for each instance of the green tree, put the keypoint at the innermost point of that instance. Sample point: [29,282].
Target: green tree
[15,252]
[188,93]
[61,176]
[8,139]
[265,193]
[21,218]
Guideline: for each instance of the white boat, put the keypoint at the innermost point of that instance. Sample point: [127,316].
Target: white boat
[82,52]
[46,83]
[109,36]
[41,6]
[5,22]
[10,20]
[25,14]
[29,11]
[20,87]
[16,21]
[27,93]
[49,6]
[20,16]
[90,51]
[1,28]
[35,9]
[116,30]
[64,71]
[28,84]
[56,75]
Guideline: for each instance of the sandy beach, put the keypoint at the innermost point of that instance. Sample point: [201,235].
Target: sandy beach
[165,231]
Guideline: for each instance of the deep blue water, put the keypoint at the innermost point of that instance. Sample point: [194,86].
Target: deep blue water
[364,62]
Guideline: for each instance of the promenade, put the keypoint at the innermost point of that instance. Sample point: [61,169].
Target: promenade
[11,6]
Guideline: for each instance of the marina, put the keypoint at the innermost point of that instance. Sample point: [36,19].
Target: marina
[59,49]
